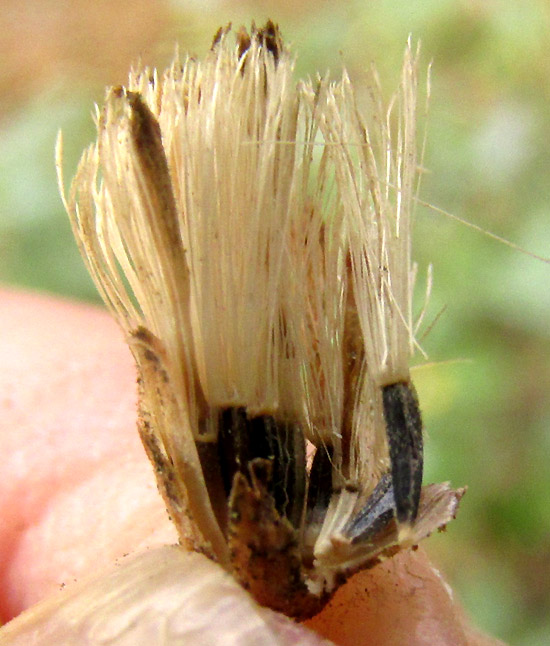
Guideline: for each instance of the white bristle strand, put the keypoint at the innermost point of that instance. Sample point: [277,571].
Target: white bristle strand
[381,238]
[315,303]
[233,182]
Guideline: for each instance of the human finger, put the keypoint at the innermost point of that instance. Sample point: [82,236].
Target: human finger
[80,492]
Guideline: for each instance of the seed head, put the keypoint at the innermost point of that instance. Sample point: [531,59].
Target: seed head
[252,237]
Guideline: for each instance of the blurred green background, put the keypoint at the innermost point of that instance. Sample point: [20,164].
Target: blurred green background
[488,161]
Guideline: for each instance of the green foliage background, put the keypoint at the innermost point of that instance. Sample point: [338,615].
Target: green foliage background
[488,161]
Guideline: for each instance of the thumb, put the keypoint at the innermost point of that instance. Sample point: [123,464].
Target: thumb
[164,596]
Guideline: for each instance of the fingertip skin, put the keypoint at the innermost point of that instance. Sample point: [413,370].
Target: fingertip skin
[77,489]
[401,601]
[166,597]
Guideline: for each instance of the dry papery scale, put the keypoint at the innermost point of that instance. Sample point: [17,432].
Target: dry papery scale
[252,237]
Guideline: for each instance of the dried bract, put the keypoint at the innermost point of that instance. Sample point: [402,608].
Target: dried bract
[252,237]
